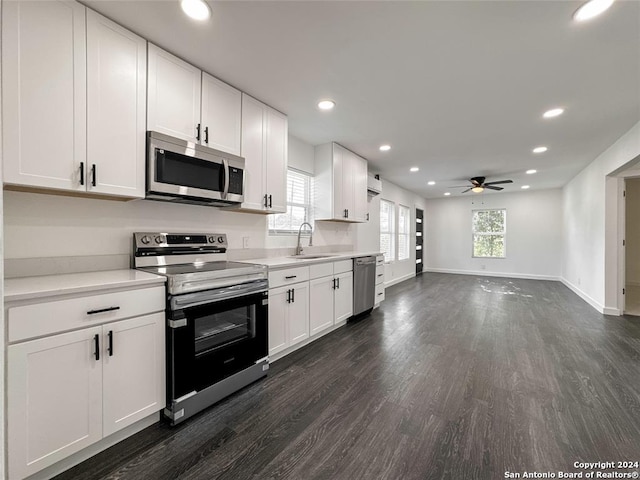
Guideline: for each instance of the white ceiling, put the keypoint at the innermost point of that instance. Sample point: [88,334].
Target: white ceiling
[457,88]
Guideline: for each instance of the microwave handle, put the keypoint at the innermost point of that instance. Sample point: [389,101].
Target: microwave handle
[225,191]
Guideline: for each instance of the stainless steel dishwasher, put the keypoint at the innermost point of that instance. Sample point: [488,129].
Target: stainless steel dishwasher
[364,284]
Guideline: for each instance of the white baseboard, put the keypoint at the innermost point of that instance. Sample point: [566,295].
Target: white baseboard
[595,304]
[397,280]
[612,311]
[483,273]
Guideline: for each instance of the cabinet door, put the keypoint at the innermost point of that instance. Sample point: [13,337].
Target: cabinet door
[134,370]
[116,108]
[298,315]
[44,122]
[321,304]
[343,308]
[54,393]
[359,191]
[339,205]
[253,151]
[276,164]
[221,115]
[348,161]
[173,96]
[278,310]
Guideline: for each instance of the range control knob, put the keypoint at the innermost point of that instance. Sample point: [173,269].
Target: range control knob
[212,240]
[220,239]
[159,239]
[146,239]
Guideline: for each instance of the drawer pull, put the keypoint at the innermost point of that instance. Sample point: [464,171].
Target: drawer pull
[102,310]
[380,294]
[289,277]
[96,342]
[381,274]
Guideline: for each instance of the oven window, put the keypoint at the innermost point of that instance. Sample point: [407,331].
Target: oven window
[182,170]
[223,328]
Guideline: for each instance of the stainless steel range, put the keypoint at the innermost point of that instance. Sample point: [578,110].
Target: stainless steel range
[217,337]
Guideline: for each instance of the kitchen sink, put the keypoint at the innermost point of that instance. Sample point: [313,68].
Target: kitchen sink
[311,256]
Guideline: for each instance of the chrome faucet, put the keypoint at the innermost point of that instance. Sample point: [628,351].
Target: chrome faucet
[299,247]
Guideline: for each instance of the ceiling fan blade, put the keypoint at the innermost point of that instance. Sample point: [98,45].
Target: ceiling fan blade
[498,182]
[459,186]
[477,181]
[465,191]
[490,187]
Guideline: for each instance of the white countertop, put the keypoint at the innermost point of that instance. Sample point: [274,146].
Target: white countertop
[31,288]
[283,262]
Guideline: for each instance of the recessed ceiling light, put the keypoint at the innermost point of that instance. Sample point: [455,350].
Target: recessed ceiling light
[554,112]
[540,149]
[414,169]
[591,9]
[524,187]
[196,9]
[385,148]
[431,183]
[326,104]
[446,194]
[532,171]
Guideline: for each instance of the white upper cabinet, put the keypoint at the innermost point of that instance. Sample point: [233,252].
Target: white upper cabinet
[173,97]
[264,148]
[73,100]
[221,115]
[44,93]
[340,184]
[116,108]
[187,103]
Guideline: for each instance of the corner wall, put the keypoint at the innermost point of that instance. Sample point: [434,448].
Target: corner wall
[533,238]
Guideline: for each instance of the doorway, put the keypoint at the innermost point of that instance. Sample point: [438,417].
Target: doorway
[632,247]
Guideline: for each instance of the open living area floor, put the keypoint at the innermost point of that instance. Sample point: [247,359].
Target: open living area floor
[453,377]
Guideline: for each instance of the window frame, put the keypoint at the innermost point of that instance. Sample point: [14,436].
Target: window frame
[407,234]
[392,232]
[309,217]
[503,233]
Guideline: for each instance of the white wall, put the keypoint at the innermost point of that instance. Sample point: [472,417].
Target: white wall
[590,227]
[368,234]
[533,238]
[300,155]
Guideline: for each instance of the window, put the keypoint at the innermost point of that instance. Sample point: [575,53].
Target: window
[299,204]
[489,230]
[387,230]
[404,232]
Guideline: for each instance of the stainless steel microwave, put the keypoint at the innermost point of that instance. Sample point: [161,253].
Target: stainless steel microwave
[184,172]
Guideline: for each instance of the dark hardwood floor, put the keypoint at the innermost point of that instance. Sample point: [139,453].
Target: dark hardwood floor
[454,377]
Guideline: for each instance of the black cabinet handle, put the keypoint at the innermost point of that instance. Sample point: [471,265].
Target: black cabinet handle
[110,348]
[206,134]
[381,274]
[380,294]
[293,295]
[93,174]
[81,173]
[270,201]
[289,296]
[289,277]
[367,217]
[266,204]
[347,213]
[198,132]
[96,342]
[335,283]
[338,282]
[102,310]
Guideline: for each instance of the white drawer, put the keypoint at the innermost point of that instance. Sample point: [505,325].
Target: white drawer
[379,274]
[288,276]
[320,270]
[379,293]
[28,321]
[379,259]
[342,266]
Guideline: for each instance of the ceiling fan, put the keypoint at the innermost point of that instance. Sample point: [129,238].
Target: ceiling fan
[478,185]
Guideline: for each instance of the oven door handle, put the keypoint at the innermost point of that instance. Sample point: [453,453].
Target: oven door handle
[179,302]
[225,165]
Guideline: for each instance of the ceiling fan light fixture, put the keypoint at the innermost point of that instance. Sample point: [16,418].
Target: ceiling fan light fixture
[591,9]
[477,189]
[196,9]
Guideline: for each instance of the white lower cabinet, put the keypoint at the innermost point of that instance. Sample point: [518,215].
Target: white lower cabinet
[330,301]
[67,391]
[288,316]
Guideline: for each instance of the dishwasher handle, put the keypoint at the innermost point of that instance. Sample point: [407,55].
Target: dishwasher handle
[365,260]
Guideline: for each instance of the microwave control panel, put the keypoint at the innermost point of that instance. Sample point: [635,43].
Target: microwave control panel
[235,180]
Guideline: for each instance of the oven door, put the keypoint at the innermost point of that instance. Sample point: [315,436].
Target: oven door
[211,341]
